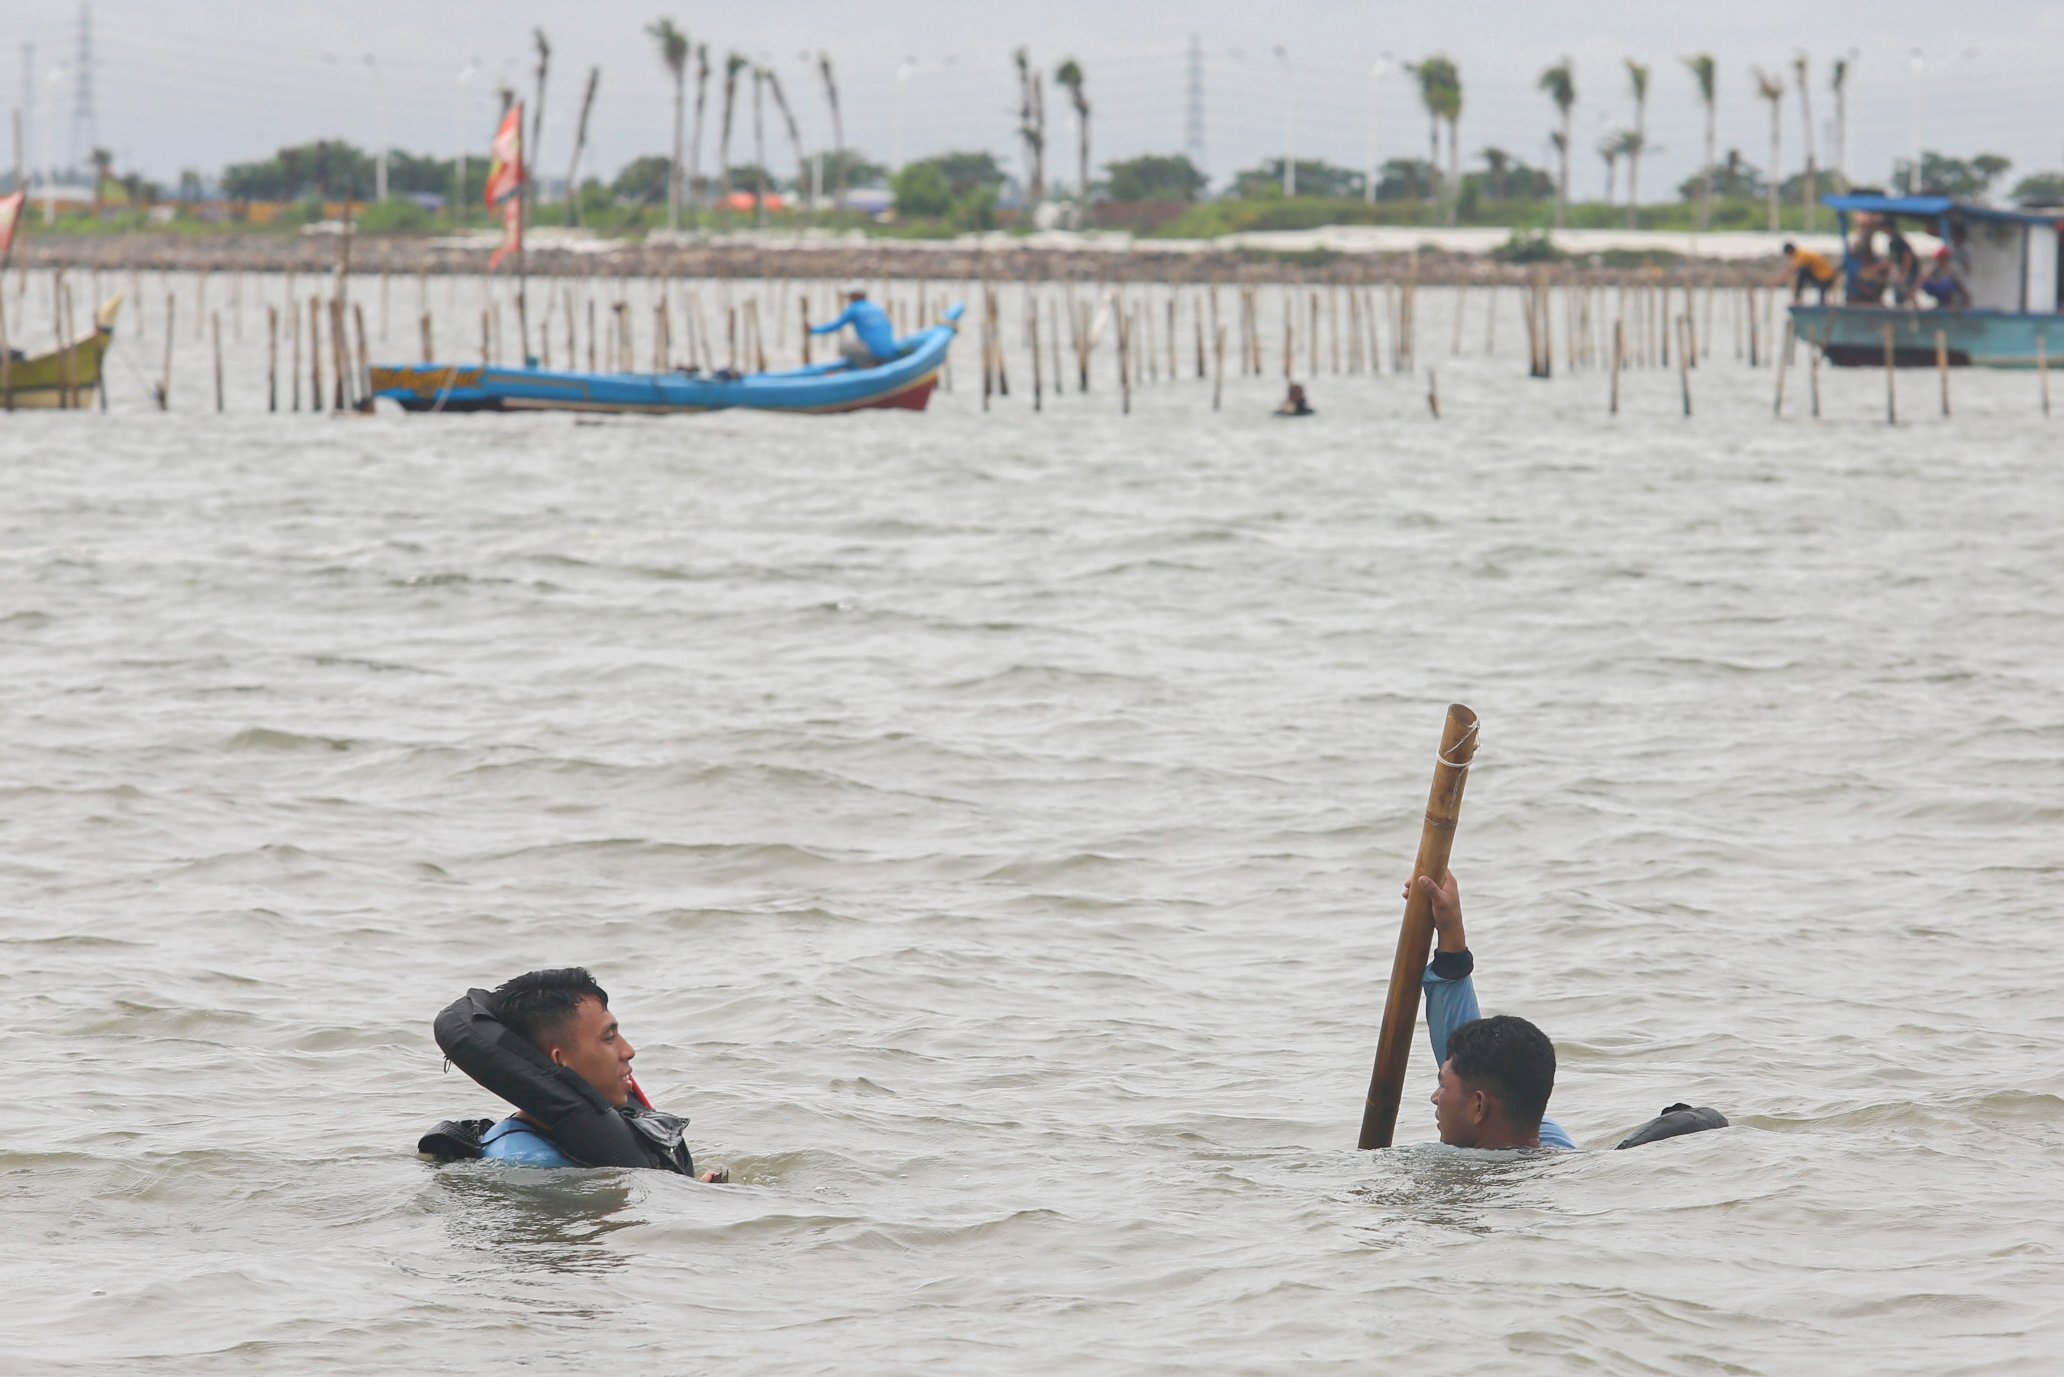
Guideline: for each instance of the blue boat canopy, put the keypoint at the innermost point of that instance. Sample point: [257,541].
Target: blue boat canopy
[1935,206]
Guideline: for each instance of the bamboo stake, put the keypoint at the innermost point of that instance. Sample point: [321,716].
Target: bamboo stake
[803,306]
[1415,934]
[362,378]
[165,377]
[315,353]
[272,358]
[294,330]
[1433,393]
[429,345]
[340,349]
[1942,367]
[1891,398]
[1619,349]
[1038,377]
[1217,367]
[215,331]
[1684,359]
[1784,355]
[2042,369]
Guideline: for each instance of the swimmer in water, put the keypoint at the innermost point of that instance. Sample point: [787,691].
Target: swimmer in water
[565,1015]
[1495,1073]
[1295,404]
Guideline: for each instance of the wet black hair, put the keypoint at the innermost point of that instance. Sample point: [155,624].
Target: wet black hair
[1789,246]
[1512,1059]
[538,1004]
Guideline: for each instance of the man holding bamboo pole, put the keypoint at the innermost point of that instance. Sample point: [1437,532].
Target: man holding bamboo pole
[1495,1073]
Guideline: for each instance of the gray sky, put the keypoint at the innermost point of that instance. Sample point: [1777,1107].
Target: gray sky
[201,83]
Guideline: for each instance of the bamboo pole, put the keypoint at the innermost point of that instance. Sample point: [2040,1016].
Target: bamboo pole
[1433,393]
[1891,395]
[429,344]
[340,349]
[1942,367]
[362,377]
[165,377]
[1619,349]
[272,358]
[1217,367]
[1684,328]
[315,353]
[1038,377]
[215,333]
[1784,356]
[293,314]
[2042,369]
[1415,934]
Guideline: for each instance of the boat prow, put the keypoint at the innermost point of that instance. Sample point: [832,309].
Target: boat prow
[66,378]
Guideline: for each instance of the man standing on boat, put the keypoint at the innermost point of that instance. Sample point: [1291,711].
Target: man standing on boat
[874,338]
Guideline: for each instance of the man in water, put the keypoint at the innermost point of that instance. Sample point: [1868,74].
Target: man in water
[874,338]
[565,1015]
[1495,1073]
[1295,403]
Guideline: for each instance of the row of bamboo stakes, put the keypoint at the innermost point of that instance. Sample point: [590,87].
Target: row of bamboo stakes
[1347,328]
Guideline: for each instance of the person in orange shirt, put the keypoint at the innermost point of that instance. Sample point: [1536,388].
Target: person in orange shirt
[1808,268]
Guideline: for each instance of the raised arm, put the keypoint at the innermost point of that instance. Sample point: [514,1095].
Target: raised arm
[1449,989]
[838,322]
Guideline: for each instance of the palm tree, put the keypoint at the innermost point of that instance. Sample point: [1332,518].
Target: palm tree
[1497,162]
[1609,149]
[537,115]
[673,51]
[1069,74]
[1637,80]
[1840,81]
[580,144]
[695,177]
[795,137]
[1806,189]
[1706,73]
[1032,126]
[1771,89]
[1560,82]
[838,126]
[733,65]
[1440,91]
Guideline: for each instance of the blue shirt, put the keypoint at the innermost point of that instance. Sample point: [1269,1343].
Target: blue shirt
[522,1144]
[871,323]
[1449,1005]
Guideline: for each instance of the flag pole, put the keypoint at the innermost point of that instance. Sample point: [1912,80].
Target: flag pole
[522,228]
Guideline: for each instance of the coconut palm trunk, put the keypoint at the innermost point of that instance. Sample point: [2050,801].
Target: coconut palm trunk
[696,180]
[732,66]
[1704,71]
[673,52]
[838,126]
[1560,84]
[759,143]
[580,145]
[1808,192]
[1772,89]
[795,137]
[1069,75]
[1637,80]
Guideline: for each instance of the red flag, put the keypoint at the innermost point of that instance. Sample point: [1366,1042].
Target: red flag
[505,183]
[505,159]
[10,215]
[512,232]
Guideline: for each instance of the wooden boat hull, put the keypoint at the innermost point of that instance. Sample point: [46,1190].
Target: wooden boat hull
[64,379]
[904,383]
[1854,336]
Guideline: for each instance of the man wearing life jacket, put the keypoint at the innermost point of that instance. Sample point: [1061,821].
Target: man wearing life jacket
[874,338]
[565,1015]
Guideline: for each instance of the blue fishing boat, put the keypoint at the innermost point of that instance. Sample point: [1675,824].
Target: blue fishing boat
[2000,277]
[904,382]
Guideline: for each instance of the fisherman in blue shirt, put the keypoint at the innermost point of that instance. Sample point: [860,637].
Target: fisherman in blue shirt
[874,339]
[1495,1073]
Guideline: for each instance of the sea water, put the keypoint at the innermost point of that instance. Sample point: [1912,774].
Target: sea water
[989,827]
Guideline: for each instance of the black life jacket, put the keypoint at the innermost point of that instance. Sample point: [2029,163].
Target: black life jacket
[578,1120]
[1674,1122]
